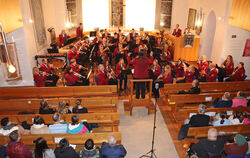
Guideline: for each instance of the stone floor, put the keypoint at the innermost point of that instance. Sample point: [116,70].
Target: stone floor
[137,133]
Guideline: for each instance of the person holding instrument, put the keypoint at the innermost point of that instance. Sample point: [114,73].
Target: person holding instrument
[74,79]
[47,69]
[63,38]
[121,73]
[226,68]
[238,73]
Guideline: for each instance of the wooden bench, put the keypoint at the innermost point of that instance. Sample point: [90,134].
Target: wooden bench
[50,92]
[133,102]
[106,121]
[207,87]
[93,104]
[75,139]
[180,101]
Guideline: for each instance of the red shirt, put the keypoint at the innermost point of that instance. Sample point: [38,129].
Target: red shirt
[75,68]
[189,76]
[116,51]
[229,68]
[239,74]
[178,33]
[212,75]
[118,69]
[45,68]
[140,66]
[18,149]
[79,32]
[61,39]
[179,70]
[157,70]
[102,78]
[202,66]
[71,79]
[167,79]
[38,79]
[73,55]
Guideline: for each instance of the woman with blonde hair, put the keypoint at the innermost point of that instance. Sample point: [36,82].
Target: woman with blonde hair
[166,75]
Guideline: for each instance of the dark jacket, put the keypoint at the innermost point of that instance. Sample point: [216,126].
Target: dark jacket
[199,120]
[224,104]
[47,111]
[94,153]
[193,90]
[69,152]
[18,149]
[82,110]
[116,151]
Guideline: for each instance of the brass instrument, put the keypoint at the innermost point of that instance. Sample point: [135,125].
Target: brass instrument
[78,75]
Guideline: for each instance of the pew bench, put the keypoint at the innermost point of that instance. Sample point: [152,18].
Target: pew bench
[106,121]
[75,139]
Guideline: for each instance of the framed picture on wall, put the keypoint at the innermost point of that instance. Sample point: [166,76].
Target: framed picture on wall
[191,18]
[246,52]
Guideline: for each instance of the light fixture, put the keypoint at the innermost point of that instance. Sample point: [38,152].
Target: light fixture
[68,20]
[30,21]
[9,61]
[162,23]
[199,21]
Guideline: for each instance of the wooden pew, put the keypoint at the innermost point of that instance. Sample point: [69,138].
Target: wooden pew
[93,104]
[180,101]
[106,121]
[207,87]
[50,92]
[198,132]
[75,139]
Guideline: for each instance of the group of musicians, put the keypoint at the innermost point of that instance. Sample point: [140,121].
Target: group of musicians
[141,55]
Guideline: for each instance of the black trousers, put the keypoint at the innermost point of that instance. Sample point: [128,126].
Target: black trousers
[54,79]
[123,79]
[221,74]
[140,89]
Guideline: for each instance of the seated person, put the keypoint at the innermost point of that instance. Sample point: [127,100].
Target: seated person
[111,150]
[57,127]
[39,127]
[62,108]
[236,119]
[39,79]
[79,108]
[15,148]
[246,118]
[64,150]
[73,53]
[239,100]
[222,121]
[44,108]
[63,38]
[202,64]
[238,148]
[75,127]
[179,68]
[103,77]
[211,145]
[210,74]
[7,127]
[189,75]
[47,68]
[89,150]
[226,68]
[238,73]
[42,149]
[166,75]
[200,119]
[194,90]
[226,102]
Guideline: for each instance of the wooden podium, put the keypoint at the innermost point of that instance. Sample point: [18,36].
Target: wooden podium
[187,54]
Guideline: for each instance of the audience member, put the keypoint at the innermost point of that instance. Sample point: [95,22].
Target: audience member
[57,127]
[111,150]
[237,118]
[224,103]
[62,108]
[238,148]
[200,119]
[89,151]
[79,108]
[247,118]
[239,100]
[210,146]
[44,108]
[39,127]
[222,121]
[75,127]
[64,150]
[7,127]
[194,90]
[42,150]
[15,148]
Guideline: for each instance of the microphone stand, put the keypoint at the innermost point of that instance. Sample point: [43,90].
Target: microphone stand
[151,153]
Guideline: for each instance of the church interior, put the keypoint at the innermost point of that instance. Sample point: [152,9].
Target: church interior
[125,78]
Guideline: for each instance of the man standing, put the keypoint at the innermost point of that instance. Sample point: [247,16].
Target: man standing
[79,31]
[177,31]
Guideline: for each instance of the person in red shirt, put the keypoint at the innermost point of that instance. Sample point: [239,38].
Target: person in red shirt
[38,78]
[79,31]
[211,73]
[75,67]
[238,148]
[103,77]
[166,75]
[202,64]
[71,78]
[189,75]
[46,68]
[226,69]
[177,31]
[238,73]
[73,53]
[121,73]
[140,64]
[63,38]
[166,54]
[120,52]
[179,68]
[154,72]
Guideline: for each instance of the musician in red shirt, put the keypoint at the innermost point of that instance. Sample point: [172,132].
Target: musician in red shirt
[166,75]
[154,72]
[177,31]
[103,77]
[47,68]
[166,54]
[73,53]
[211,73]
[238,73]
[71,78]
[79,31]
[121,73]
[226,69]
[38,78]
[120,52]
[63,38]
[140,64]
[75,67]
[179,68]
[202,64]
[189,75]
